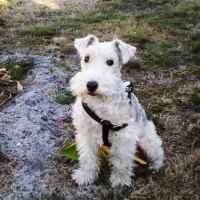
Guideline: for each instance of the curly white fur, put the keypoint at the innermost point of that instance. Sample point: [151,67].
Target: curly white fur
[109,102]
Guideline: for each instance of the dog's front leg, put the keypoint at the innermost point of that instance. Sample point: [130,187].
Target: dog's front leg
[122,160]
[88,158]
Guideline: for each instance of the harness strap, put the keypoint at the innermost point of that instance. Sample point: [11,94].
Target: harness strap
[106,124]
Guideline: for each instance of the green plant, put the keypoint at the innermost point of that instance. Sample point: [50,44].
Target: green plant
[195,48]
[16,73]
[13,41]
[77,34]
[133,64]
[196,7]
[195,37]
[139,37]
[195,98]
[1,32]
[66,98]
[142,171]
[51,69]
[167,23]
[62,64]
[148,113]
[167,44]
[68,49]
[5,4]
[61,23]
[38,31]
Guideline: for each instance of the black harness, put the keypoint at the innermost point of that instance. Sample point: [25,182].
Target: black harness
[106,124]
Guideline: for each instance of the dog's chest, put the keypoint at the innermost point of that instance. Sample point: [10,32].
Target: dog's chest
[114,110]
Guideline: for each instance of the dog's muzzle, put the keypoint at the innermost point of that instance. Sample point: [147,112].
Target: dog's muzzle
[92,86]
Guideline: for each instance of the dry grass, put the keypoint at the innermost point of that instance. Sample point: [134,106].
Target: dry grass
[166,77]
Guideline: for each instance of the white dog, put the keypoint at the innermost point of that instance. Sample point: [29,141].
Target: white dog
[103,104]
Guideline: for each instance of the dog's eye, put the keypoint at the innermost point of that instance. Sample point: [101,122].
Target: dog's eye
[87,59]
[109,62]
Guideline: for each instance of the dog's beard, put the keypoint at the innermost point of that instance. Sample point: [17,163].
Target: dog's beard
[92,93]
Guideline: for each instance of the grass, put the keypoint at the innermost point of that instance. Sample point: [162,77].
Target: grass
[156,55]
[17,73]
[68,49]
[136,37]
[38,31]
[195,37]
[52,196]
[18,70]
[66,98]
[133,64]
[1,32]
[166,44]
[195,98]
[195,48]
[63,64]
[59,23]
[13,41]
[167,24]
[6,4]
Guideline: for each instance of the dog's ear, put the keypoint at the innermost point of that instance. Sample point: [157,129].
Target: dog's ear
[127,51]
[82,43]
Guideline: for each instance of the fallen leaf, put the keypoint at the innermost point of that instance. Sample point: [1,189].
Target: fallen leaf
[2,71]
[14,87]
[59,121]
[5,78]
[5,96]
[5,168]
[71,152]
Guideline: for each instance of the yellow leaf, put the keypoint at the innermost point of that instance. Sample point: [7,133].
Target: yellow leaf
[71,152]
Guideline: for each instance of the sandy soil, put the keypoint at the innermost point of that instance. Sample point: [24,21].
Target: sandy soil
[33,127]
[37,5]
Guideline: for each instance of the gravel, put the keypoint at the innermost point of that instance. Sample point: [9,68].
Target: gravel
[33,126]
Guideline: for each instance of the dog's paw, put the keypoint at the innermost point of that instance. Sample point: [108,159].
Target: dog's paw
[117,179]
[83,177]
[156,165]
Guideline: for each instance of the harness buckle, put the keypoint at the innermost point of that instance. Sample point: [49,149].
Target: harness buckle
[117,128]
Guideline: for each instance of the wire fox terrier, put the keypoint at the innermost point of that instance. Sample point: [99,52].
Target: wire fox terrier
[103,104]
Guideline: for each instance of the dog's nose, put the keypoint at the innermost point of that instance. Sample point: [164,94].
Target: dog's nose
[92,86]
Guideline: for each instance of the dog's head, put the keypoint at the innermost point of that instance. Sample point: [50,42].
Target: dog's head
[100,64]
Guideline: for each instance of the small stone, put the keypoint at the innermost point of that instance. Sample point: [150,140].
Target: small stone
[61,56]
[67,79]
[9,53]
[44,118]
[182,67]
[30,102]
[186,107]
[2,157]
[2,22]
[42,128]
